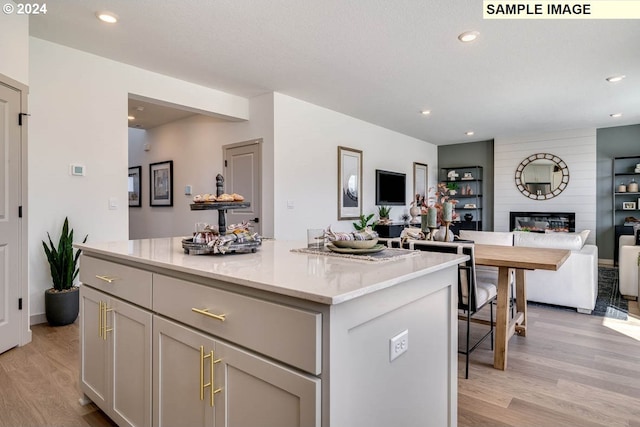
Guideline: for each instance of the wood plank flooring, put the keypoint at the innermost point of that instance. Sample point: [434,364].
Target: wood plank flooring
[571,370]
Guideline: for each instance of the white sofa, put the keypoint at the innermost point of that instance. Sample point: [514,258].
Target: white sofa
[628,267]
[575,284]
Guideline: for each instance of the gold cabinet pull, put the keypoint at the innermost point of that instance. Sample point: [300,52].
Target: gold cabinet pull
[212,362]
[100,318]
[205,311]
[108,279]
[105,329]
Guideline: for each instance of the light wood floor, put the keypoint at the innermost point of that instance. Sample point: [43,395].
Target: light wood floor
[571,370]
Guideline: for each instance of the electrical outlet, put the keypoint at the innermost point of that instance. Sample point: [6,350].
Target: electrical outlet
[398,344]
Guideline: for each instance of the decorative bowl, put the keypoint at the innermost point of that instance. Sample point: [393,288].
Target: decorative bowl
[355,244]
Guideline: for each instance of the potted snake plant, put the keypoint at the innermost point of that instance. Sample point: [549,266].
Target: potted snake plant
[62,301]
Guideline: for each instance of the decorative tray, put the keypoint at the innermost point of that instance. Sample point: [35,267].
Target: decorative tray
[200,206]
[356,251]
[191,248]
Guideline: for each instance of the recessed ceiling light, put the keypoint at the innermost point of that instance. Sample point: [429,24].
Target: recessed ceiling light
[131,117]
[108,17]
[468,36]
[615,115]
[425,112]
[614,79]
[469,133]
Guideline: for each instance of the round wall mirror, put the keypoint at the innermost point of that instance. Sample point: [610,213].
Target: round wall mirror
[542,176]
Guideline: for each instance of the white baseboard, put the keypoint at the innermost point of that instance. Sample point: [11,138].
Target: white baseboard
[37,319]
[605,262]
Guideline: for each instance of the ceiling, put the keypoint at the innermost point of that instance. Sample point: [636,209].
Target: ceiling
[148,115]
[380,61]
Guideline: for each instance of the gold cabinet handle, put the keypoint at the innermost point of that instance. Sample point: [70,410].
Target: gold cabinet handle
[108,279]
[105,329]
[211,382]
[100,318]
[205,311]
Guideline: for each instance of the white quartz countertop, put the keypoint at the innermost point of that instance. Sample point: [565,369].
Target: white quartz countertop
[274,268]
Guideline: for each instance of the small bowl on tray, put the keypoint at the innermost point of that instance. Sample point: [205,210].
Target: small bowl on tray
[355,244]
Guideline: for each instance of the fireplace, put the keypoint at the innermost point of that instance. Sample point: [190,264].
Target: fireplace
[542,222]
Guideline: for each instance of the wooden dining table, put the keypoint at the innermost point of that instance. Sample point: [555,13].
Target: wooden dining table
[520,259]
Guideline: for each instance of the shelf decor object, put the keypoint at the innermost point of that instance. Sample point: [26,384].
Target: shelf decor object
[349,183]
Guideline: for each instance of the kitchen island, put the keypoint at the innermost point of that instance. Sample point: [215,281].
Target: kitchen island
[272,338]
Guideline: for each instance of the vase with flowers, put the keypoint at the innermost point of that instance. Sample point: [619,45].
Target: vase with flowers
[439,210]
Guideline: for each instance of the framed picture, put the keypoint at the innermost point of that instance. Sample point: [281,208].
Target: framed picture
[420,183]
[161,183]
[135,174]
[349,183]
[628,205]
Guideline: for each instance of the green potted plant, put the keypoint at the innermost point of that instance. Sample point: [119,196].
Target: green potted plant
[62,301]
[364,222]
[453,188]
[383,213]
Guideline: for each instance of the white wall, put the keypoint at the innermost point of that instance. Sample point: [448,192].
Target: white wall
[306,140]
[78,106]
[196,146]
[14,45]
[577,148]
[300,143]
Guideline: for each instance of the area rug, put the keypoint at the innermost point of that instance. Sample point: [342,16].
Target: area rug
[609,302]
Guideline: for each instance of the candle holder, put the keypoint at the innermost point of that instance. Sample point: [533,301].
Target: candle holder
[432,231]
[446,231]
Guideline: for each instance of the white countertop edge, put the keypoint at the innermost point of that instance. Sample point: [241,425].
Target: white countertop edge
[296,293]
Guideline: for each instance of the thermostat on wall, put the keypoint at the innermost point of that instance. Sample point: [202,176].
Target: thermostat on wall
[77,170]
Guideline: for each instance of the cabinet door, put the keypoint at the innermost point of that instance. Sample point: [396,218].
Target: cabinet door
[257,392]
[130,342]
[180,378]
[93,352]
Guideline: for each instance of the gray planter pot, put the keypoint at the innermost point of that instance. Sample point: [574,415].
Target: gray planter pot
[61,308]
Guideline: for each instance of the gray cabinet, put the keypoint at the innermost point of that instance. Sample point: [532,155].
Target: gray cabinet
[198,379]
[116,357]
[204,382]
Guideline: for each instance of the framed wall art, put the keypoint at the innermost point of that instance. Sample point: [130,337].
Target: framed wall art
[628,205]
[349,183]
[135,174]
[420,183]
[161,183]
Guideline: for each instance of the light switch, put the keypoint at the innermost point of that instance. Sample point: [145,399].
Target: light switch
[290,204]
[187,190]
[113,203]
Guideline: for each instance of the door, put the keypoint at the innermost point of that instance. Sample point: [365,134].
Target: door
[10,184]
[258,392]
[243,175]
[93,351]
[130,342]
[182,374]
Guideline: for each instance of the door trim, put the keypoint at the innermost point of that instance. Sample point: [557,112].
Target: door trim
[23,241]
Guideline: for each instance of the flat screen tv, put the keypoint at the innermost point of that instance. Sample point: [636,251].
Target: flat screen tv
[390,188]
